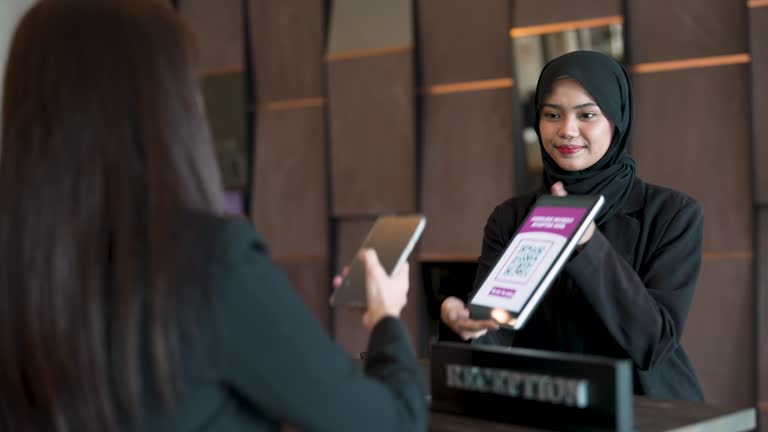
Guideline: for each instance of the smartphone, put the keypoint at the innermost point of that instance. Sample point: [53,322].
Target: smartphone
[393,238]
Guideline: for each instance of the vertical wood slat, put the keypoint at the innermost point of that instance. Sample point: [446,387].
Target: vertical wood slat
[721,346]
[759,52]
[468,148]
[529,13]
[371,109]
[218,33]
[459,43]
[661,30]
[761,308]
[288,46]
[683,141]
[364,27]
[680,140]
[289,201]
[371,105]
[468,162]
[758,41]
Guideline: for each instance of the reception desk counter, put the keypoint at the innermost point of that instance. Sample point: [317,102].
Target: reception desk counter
[649,416]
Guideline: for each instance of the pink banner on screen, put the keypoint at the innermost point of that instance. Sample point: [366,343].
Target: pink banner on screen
[555,220]
[502,292]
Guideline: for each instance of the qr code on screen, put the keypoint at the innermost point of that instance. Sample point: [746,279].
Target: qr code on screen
[523,261]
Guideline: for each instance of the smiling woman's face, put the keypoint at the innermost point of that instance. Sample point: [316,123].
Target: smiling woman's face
[574,131]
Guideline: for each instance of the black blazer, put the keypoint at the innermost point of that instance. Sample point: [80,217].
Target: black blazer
[626,294]
[259,359]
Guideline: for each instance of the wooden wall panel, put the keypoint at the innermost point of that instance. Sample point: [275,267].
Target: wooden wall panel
[309,277]
[468,145]
[529,13]
[719,335]
[289,201]
[362,26]
[758,25]
[661,30]
[349,331]
[288,39]
[289,197]
[468,168]
[761,309]
[218,28]
[693,133]
[683,139]
[457,38]
[371,109]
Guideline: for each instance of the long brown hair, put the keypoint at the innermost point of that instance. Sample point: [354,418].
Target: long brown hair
[104,153]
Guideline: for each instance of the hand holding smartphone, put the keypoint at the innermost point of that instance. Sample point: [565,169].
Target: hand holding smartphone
[393,238]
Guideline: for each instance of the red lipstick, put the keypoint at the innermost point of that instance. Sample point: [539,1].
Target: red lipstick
[568,149]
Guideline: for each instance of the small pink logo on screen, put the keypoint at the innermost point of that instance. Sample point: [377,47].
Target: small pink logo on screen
[502,292]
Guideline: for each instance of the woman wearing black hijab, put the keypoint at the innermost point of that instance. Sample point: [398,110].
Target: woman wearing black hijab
[627,290]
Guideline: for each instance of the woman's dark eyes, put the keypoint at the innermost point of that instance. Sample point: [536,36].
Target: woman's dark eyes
[582,116]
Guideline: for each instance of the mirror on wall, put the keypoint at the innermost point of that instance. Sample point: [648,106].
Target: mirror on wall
[224,98]
[531,50]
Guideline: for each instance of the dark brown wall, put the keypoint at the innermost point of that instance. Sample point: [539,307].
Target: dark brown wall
[672,30]
[531,13]
[371,103]
[761,306]
[372,134]
[459,43]
[290,197]
[758,25]
[288,46]
[685,140]
[468,141]
[758,40]
[289,202]
[468,167]
[219,33]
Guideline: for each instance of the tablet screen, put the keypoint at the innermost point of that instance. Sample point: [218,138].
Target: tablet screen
[528,258]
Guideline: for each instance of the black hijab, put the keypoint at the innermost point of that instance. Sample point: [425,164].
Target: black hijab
[608,84]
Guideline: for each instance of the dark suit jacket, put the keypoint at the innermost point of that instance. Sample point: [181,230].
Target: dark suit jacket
[626,294]
[259,359]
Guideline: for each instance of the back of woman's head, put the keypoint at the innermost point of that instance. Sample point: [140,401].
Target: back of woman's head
[103,153]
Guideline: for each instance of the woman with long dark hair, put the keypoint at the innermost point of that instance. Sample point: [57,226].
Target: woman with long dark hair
[126,302]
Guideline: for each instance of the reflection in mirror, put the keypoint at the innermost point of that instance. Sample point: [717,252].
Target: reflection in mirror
[223,94]
[531,53]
